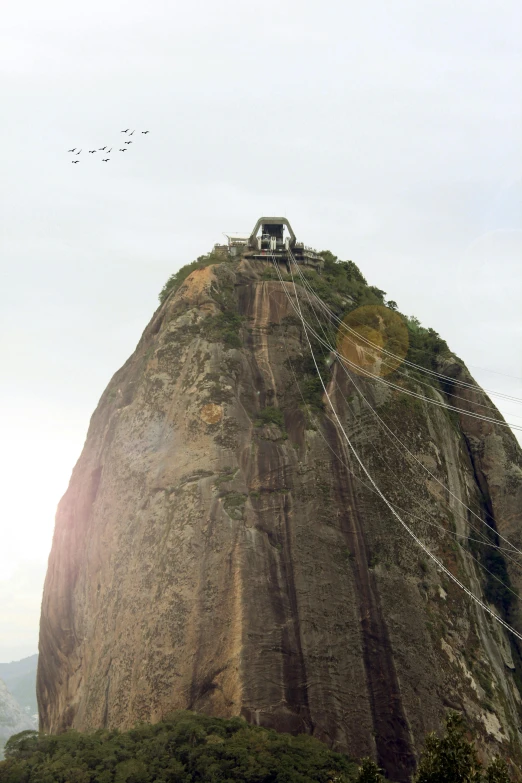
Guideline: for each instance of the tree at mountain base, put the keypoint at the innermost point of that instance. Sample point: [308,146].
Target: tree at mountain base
[452,758]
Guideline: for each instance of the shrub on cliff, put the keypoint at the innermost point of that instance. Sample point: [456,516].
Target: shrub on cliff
[270,415]
[305,370]
[369,772]
[425,345]
[332,265]
[341,279]
[176,279]
[225,327]
[452,758]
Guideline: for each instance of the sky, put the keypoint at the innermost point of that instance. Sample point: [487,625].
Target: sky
[389,133]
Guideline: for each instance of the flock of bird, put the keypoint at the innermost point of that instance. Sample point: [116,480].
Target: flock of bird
[107,150]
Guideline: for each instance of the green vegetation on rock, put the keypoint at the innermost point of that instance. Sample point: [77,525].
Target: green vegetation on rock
[225,328]
[425,345]
[185,747]
[270,415]
[340,280]
[310,385]
[341,285]
[175,280]
[333,266]
[452,758]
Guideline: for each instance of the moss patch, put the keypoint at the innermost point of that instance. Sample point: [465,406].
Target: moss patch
[270,415]
[234,503]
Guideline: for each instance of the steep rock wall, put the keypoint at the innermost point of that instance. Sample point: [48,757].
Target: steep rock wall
[203,561]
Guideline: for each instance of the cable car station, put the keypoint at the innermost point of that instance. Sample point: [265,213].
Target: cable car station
[268,241]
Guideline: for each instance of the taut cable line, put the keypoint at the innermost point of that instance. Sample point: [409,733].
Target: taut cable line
[483,541]
[454,534]
[392,365]
[410,393]
[392,434]
[372,347]
[420,543]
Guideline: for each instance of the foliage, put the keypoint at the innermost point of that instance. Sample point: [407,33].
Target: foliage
[20,745]
[185,747]
[342,286]
[369,772]
[270,415]
[225,328]
[339,280]
[332,265]
[175,280]
[269,273]
[497,772]
[378,292]
[453,758]
[310,384]
[425,344]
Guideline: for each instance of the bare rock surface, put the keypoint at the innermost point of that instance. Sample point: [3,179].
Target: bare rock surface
[205,559]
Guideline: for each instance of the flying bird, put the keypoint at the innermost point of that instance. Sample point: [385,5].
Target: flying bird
[130,134]
[109,150]
[104,160]
[75,161]
[92,150]
[127,142]
[73,150]
[145,131]
[125,131]
[79,151]
[124,150]
[102,148]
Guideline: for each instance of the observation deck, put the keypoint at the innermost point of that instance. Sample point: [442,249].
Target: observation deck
[268,241]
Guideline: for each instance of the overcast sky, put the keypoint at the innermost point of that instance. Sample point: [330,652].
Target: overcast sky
[389,133]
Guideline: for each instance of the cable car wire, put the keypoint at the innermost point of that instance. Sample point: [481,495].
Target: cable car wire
[368,374]
[418,367]
[392,434]
[427,551]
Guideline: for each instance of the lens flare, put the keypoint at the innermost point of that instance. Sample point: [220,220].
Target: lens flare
[364,336]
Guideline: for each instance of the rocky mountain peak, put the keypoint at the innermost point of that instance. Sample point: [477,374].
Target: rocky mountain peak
[219,548]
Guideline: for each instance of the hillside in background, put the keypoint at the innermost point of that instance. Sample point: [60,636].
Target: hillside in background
[20,678]
[13,718]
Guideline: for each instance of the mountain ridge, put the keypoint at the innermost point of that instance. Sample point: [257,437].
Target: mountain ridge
[13,718]
[237,564]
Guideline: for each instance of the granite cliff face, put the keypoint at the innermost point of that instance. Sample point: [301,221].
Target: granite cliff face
[207,557]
